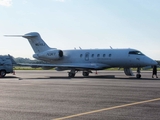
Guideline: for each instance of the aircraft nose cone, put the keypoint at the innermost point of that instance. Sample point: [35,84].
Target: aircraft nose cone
[153,62]
[150,62]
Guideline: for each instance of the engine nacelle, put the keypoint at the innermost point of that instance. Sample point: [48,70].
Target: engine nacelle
[52,54]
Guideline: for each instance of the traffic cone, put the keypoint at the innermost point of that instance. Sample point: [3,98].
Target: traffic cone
[14,73]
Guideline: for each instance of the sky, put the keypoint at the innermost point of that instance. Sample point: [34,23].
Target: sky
[89,24]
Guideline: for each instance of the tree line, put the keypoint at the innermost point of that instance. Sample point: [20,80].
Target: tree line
[27,60]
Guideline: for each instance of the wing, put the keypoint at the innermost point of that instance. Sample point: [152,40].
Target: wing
[93,66]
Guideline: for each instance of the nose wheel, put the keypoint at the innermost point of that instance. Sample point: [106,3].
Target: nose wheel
[138,73]
[138,76]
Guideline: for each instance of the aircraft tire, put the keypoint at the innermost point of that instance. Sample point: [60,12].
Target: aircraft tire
[138,76]
[85,74]
[71,74]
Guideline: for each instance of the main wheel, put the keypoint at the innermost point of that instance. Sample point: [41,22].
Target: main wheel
[71,74]
[85,74]
[138,76]
[2,73]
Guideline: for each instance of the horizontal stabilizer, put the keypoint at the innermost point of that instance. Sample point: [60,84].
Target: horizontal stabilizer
[25,36]
[13,35]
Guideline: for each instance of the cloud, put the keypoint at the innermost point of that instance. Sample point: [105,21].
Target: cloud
[6,3]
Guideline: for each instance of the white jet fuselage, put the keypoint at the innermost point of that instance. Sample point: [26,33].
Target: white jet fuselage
[105,58]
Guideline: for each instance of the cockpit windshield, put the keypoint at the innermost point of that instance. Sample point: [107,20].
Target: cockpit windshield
[135,53]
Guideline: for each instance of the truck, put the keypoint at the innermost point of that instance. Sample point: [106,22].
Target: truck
[6,65]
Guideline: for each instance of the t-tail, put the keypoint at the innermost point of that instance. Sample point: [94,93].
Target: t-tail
[37,43]
[35,40]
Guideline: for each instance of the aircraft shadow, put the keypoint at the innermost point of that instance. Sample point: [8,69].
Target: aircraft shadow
[76,77]
[89,77]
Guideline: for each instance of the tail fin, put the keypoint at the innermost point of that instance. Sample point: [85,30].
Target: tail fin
[37,43]
[35,40]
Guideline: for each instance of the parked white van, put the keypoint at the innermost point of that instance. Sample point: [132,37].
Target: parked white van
[6,65]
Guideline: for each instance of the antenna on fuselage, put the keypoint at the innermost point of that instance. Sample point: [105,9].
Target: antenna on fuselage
[80,48]
[111,47]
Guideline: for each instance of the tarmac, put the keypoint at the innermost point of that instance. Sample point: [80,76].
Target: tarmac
[51,95]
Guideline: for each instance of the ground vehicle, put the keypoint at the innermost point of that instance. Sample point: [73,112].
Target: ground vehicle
[6,65]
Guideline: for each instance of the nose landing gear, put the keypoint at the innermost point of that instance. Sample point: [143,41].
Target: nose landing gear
[138,73]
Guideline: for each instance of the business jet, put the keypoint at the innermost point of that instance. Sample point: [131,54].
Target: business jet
[86,60]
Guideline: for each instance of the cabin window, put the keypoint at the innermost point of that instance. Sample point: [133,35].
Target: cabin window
[109,55]
[135,53]
[81,55]
[104,55]
[98,55]
[92,55]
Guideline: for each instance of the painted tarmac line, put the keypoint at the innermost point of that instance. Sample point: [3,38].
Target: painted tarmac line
[105,109]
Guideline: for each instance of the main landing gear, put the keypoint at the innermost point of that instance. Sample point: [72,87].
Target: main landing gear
[73,72]
[138,73]
[85,73]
